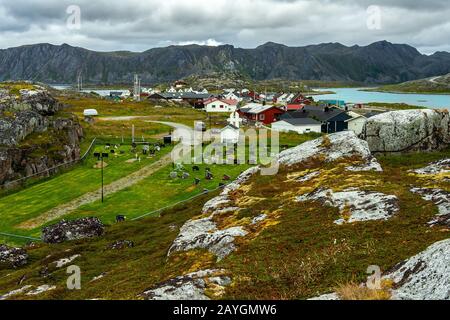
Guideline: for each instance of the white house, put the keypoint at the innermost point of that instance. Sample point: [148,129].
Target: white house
[299,125]
[221,105]
[232,96]
[356,123]
[229,134]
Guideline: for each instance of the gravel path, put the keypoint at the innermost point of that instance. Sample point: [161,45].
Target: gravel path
[90,197]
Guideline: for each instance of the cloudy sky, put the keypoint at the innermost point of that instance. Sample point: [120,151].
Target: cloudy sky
[138,25]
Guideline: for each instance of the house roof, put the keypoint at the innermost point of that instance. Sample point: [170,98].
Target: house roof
[182,95]
[256,108]
[229,126]
[316,113]
[301,121]
[230,102]
[372,114]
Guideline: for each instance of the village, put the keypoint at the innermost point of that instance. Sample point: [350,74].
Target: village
[277,111]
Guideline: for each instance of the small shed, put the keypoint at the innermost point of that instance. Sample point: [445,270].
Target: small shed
[90,113]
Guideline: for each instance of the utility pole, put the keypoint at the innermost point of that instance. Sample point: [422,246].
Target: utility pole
[102,156]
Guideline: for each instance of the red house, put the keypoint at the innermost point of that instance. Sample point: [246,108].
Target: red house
[300,99]
[261,113]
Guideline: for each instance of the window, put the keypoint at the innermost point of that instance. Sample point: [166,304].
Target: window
[262,116]
[221,106]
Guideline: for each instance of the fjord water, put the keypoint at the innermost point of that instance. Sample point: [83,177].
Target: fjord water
[356,95]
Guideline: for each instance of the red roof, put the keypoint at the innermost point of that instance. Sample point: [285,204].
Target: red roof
[295,106]
[230,102]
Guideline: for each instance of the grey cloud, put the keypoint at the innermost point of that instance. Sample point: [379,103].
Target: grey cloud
[140,25]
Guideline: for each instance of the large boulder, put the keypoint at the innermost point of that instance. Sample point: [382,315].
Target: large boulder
[337,146]
[408,130]
[424,276]
[12,257]
[73,230]
[190,287]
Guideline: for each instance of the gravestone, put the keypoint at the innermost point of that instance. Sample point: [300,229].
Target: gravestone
[173,175]
[185,175]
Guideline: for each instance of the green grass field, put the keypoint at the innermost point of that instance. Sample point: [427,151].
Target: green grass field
[45,195]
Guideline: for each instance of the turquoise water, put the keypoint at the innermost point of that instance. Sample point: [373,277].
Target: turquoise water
[355,95]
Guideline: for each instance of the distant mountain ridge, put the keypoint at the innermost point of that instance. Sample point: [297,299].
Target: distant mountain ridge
[378,63]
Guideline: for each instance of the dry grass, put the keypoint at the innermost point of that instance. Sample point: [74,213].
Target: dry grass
[326,143]
[354,291]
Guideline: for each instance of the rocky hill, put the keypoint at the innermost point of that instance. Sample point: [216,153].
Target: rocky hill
[33,135]
[438,84]
[380,62]
[314,228]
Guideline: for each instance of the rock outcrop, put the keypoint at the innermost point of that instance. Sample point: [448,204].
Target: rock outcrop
[32,138]
[408,130]
[334,147]
[441,199]
[190,287]
[204,234]
[438,167]
[356,205]
[73,230]
[424,276]
[12,257]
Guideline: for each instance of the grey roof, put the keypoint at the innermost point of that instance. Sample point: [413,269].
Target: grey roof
[301,121]
[313,112]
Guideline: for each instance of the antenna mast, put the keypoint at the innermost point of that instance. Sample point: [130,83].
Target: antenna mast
[137,88]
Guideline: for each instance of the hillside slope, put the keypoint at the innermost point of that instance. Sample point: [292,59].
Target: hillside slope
[330,212]
[433,85]
[381,62]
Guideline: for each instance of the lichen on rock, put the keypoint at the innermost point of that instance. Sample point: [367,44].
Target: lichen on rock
[189,287]
[424,276]
[73,230]
[13,257]
[441,199]
[341,145]
[356,205]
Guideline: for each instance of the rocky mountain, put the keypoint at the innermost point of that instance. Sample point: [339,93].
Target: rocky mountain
[378,63]
[33,137]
